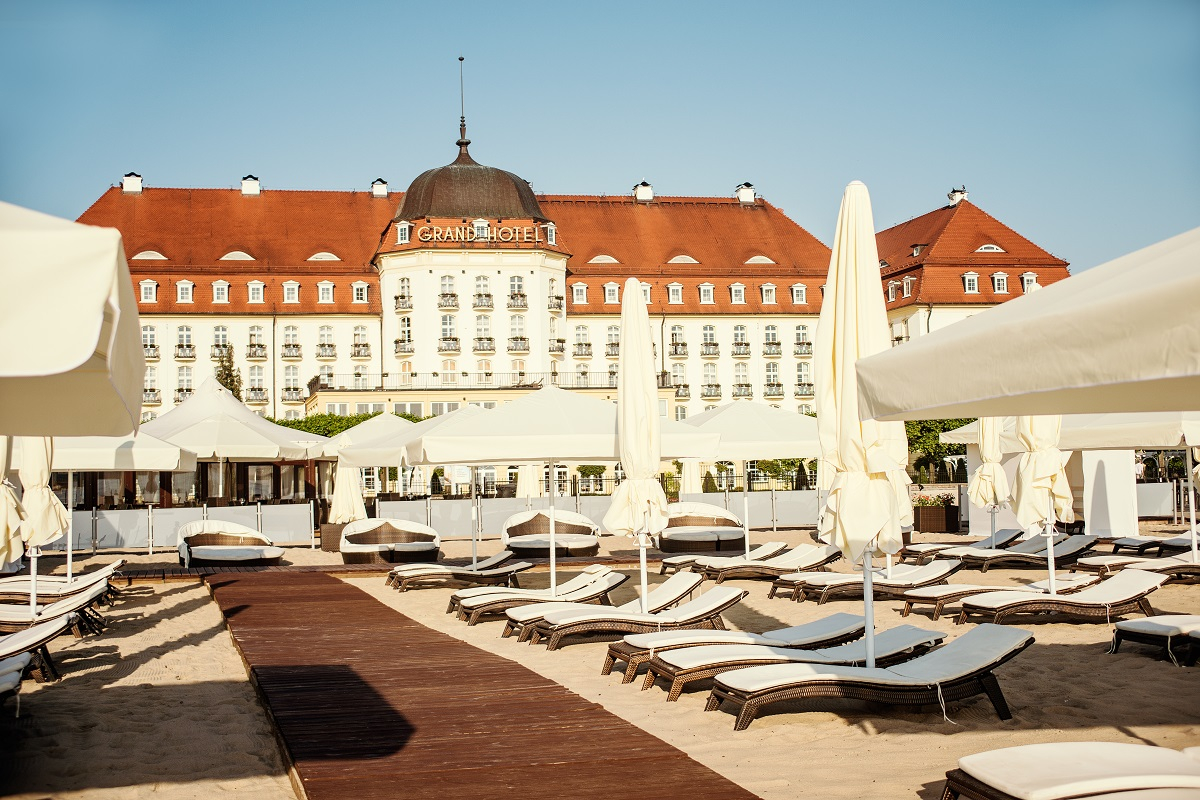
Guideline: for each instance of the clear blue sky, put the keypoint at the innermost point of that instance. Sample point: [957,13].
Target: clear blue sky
[1077,123]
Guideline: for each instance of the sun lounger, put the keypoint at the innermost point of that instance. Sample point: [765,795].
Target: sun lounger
[804,558]
[505,576]
[1060,770]
[588,575]
[10,684]
[387,540]
[666,594]
[961,669]
[217,543]
[689,664]
[15,618]
[54,587]
[1168,631]
[695,527]
[825,586]
[1174,567]
[703,612]
[636,649]
[672,564]
[1065,552]
[1033,545]
[923,551]
[527,533]
[472,608]
[1123,593]
[414,567]
[942,595]
[1141,545]
[28,646]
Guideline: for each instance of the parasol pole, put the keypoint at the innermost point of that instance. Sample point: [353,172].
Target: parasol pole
[70,525]
[746,505]
[1192,501]
[642,543]
[1050,541]
[474,524]
[553,548]
[869,605]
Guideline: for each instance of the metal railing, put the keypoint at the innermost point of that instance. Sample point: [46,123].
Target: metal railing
[773,390]
[554,302]
[710,390]
[682,392]
[403,302]
[448,344]
[404,347]
[743,390]
[710,349]
[220,350]
[612,349]
[151,396]
[468,380]
[772,349]
[447,300]
[483,344]
[326,350]
[677,349]
[185,351]
[482,300]
[803,349]
[518,344]
[256,395]
[518,300]
[582,350]
[291,351]
[293,395]
[256,351]
[804,390]
[150,351]
[360,350]
[558,346]
[741,350]
[182,394]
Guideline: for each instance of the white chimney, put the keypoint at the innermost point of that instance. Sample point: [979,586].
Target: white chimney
[957,194]
[131,183]
[643,192]
[379,188]
[745,194]
[250,186]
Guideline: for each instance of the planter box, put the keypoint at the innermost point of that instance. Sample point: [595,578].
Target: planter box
[331,536]
[935,519]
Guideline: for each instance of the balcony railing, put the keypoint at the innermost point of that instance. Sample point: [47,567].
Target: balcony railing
[803,349]
[612,349]
[555,302]
[360,350]
[582,350]
[293,395]
[404,347]
[804,390]
[710,390]
[326,350]
[150,351]
[741,350]
[291,351]
[677,349]
[182,394]
[773,390]
[151,397]
[518,344]
[220,350]
[448,300]
[743,390]
[710,350]
[403,302]
[431,381]
[483,344]
[257,395]
[448,344]
[187,351]
[518,300]
[482,300]
[772,349]
[558,346]
[682,392]
[256,352]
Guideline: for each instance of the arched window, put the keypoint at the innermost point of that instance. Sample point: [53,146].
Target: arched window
[483,284]
[360,334]
[518,366]
[771,334]
[772,372]
[148,336]
[449,371]
[255,375]
[291,335]
[183,377]
[739,334]
[581,334]
[612,376]
[220,335]
[801,334]
[803,372]
[361,381]
[581,375]
[406,329]
[516,285]
[150,381]
[516,325]
[325,334]
[185,334]
[325,374]
[741,372]
[613,334]
[710,373]
[447,284]
[404,288]
[484,366]
[678,374]
[483,325]
[448,326]
[708,334]
[256,334]
[677,334]
[553,285]
[291,377]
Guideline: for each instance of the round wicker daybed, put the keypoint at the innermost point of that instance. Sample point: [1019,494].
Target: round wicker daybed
[527,534]
[216,543]
[386,540]
[701,528]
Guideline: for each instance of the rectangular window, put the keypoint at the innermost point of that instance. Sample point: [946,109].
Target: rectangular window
[1000,284]
[971,283]
[149,291]
[908,284]
[220,293]
[706,294]
[680,413]
[892,292]
[799,294]
[341,409]
[416,409]
[360,294]
[402,233]
[579,293]
[437,409]
[1028,282]
[368,408]
[291,293]
[610,293]
[256,293]
[737,294]
[325,293]
[675,294]
[184,292]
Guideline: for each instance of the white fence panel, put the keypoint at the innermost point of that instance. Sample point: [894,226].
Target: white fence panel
[1155,500]
[124,529]
[797,508]
[81,533]
[594,508]
[242,515]
[411,510]
[168,521]
[497,510]
[452,518]
[287,523]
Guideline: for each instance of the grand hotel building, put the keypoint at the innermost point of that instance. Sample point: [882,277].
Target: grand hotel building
[469,287]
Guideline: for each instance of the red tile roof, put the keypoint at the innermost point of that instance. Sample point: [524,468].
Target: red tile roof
[239,292]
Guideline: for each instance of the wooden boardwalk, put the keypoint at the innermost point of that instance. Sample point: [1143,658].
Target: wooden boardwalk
[370,704]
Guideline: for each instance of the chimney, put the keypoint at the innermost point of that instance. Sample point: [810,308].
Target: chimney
[957,194]
[745,194]
[379,188]
[250,186]
[643,192]
[131,183]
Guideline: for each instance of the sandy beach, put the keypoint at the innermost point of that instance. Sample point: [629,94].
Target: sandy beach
[160,705]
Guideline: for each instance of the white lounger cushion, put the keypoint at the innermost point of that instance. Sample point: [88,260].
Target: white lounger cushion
[22,640]
[833,626]
[973,651]
[802,556]
[609,580]
[1113,561]
[1165,563]
[1031,546]
[902,575]
[1162,625]
[895,640]
[568,540]
[1071,769]
[757,554]
[10,682]
[701,533]
[669,592]
[218,552]
[482,565]
[1003,537]
[699,608]
[588,575]
[1117,589]
[79,579]
[68,605]
[15,664]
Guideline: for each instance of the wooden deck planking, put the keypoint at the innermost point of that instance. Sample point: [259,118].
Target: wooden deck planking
[371,704]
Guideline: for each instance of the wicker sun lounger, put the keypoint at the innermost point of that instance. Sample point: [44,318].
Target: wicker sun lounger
[636,649]
[1065,552]
[703,612]
[804,558]
[687,665]
[1175,567]
[961,669]
[666,594]
[587,575]
[942,595]
[1059,770]
[1168,631]
[825,586]
[28,647]
[473,608]
[1123,593]
[924,551]
[1141,545]
[15,618]
[766,550]
[415,567]
[1033,545]
[56,587]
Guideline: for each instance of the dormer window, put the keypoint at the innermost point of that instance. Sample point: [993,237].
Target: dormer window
[149,291]
[706,294]
[768,293]
[1000,283]
[220,291]
[403,232]
[799,293]
[611,293]
[1029,282]
[551,234]
[737,293]
[675,294]
[579,293]
[603,258]
[892,285]
[917,249]
[291,292]
[360,291]
[646,293]
[908,286]
[324,255]
[971,282]
[324,292]
[990,248]
[481,229]
[237,255]
[183,292]
[149,255]
[256,291]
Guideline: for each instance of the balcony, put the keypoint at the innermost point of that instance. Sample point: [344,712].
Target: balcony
[741,350]
[677,349]
[518,300]
[582,350]
[710,390]
[448,300]
[710,350]
[483,344]
[403,302]
[293,395]
[438,381]
[804,390]
[186,352]
[683,392]
[518,344]
[743,390]
[773,390]
[182,394]
[291,351]
[555,302]
[360,350]
[482,301]
[448,344]
[220,350]
[803,349]
[150,351]
[612,349]
[256,395]
[151,397]
[772,349]
[404,347]
[326,350]
[256,352]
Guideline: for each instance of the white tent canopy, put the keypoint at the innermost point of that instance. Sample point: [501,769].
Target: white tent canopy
[1121,337]
[117,453]
[756,430]
[73,363]
[214,424]
[387,449]
[1157,429]
[377,427]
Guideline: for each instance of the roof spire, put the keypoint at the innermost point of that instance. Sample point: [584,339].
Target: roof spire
[463,141]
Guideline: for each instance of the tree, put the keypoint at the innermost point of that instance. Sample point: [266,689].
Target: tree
[710,483]
[331,424]
[923,439]
[228,375]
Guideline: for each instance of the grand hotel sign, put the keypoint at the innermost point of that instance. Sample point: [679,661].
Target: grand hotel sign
[469,233]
